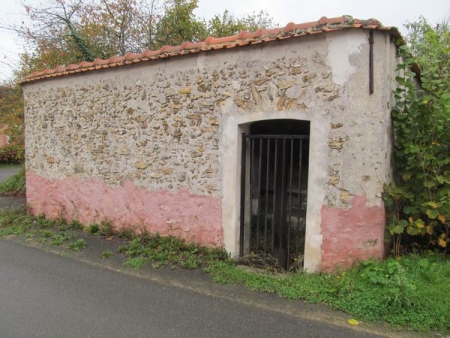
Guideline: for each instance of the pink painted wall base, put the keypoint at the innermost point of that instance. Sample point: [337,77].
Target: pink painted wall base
[352,235]
[193,218]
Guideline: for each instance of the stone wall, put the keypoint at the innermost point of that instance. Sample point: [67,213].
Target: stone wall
[154,145]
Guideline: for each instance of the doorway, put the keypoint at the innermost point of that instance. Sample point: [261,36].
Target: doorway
[274,178]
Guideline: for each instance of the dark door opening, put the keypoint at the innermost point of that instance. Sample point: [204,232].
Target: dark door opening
[274,177]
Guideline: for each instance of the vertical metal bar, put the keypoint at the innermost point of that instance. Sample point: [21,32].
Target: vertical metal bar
[243,169]
[371,62]
[274,192]
[259,195]
[252,154]
[291,163]
[267,195]
[299,209]
[282,204]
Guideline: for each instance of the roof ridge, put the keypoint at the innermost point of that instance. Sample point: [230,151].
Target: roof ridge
[243,38]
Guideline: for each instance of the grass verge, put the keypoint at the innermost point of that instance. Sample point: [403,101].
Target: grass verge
[15,185]
[410,293]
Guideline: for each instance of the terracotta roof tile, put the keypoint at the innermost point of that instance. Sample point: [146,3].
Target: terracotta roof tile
[291,30]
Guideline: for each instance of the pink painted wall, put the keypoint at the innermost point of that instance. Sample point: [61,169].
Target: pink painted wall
[352,235]
[193,218]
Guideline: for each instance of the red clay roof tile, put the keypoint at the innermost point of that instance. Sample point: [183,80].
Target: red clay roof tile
[291,30]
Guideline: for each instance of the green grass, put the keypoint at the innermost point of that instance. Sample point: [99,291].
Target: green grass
[77,245]
[61,238]
[411,293]
[136,262]
[92,229]
[15,185]
[76,225]
[15,222]
[164,250]
[106,229]
[106,254]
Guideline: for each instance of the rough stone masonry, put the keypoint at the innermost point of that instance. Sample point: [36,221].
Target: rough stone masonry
[155,145]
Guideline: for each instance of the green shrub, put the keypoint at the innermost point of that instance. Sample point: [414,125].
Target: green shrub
[12,154]
[419,201]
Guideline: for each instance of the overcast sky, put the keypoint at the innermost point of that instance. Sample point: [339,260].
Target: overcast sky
[389,12]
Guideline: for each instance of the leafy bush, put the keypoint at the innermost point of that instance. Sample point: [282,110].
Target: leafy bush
[11,117]
[419,201]
[12,154]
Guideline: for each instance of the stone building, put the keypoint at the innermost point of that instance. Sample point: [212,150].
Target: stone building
[275,141]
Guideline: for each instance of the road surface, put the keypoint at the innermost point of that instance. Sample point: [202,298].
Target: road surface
[43,294]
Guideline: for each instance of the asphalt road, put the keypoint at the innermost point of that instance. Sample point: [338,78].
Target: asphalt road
[7,172]
[47,295]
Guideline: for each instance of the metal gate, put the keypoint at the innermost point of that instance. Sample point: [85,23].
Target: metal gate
[274,178]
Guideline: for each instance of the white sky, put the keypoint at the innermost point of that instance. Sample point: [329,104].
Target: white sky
[389,12]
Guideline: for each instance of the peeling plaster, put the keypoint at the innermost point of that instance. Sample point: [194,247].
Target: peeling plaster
[341,47]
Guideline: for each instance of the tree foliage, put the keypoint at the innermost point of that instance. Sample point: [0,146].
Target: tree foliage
[179,24]
[61,32]
[419,202]
[11,117]
[226,24]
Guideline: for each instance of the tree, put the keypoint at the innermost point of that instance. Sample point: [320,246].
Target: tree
[53,38]
[228,24]
[419,201]
[179,24]
[11,117]
[61,32]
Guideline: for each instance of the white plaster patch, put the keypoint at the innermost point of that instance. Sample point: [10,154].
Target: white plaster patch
[340,49]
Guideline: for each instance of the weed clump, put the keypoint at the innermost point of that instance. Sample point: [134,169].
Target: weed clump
[164,250]
[78,245]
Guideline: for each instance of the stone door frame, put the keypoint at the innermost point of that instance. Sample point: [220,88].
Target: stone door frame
[230,145]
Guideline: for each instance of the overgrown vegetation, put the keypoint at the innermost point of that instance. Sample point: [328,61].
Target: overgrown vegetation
[412,292]
[11,123]
[164,250]
[15,185]
[419,201]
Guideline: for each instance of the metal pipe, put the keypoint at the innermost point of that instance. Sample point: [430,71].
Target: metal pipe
[258,210]
[371,62]
[299,207]
[290,203]
[252,154]
[274,193]
[282,204]
[258,136]
[267,194]
[243,169]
